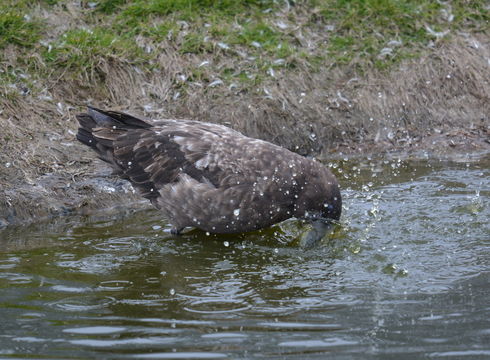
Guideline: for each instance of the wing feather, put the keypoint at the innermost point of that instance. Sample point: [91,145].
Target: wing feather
[212,155]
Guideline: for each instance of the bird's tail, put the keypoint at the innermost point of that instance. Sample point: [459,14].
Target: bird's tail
[98,119]
[99,129]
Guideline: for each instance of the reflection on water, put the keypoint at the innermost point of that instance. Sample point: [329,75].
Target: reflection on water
[406,274]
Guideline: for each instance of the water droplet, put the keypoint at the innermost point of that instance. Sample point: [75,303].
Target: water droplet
[390,269]
[236,212]
[402,272]
[226,243]
[172,291]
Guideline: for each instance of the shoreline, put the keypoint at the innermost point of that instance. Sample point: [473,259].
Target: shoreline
[97,194]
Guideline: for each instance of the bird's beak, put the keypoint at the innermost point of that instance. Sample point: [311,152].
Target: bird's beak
[313,237]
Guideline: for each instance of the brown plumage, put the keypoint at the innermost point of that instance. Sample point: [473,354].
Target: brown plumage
[209,176]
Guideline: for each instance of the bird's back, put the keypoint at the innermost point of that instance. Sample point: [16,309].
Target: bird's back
[200,174]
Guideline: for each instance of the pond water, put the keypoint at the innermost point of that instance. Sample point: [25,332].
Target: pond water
[406,274]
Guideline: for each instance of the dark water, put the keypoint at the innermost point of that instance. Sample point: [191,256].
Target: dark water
[406,276]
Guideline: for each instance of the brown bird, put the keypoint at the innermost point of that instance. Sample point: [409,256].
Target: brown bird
[211,177]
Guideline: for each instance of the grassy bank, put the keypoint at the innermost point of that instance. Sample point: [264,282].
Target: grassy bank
[248,41]
[311,75]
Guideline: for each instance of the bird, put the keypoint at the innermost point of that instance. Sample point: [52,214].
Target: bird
[211,177]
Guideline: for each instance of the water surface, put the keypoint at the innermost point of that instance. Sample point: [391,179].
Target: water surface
[405,275]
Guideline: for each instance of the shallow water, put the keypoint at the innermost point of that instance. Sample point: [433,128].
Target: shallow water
[406,275]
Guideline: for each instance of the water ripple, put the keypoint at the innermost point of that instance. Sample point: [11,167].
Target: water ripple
[405,273]
[182,355]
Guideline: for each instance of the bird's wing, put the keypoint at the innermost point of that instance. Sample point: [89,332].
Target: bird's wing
[151,158]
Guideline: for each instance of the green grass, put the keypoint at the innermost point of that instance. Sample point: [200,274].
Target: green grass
[20,31]
[256,34]
[348,33]
[402,21]
[198,26]
[362,28]
[83,50]
[160,19]
[159,32]
[187,9]
[16,28]
[195,43]
[110,6]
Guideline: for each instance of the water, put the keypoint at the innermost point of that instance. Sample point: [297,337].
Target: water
[406,275]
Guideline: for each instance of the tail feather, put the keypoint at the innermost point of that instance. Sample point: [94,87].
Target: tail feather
[99,129]
[84,134]
[113,118]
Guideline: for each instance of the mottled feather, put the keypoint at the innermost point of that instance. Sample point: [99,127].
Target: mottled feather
[208,175]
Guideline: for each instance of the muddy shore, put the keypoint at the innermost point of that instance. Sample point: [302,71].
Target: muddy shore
[95,193]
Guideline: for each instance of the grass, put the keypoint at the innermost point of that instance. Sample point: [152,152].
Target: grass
[82,50]
[363,28]
[255,35]
[194,43]
[400,22]
[187,9]
[258,35]
[17,28]
[18,31]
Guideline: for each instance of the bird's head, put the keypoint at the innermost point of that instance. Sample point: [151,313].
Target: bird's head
[320,203]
